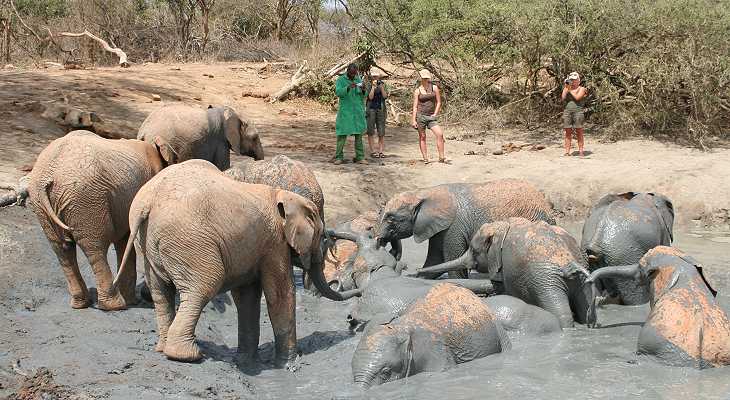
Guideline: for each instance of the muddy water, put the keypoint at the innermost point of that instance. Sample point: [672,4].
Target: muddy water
[110,355]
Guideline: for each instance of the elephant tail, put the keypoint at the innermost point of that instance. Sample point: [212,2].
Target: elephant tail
[48,208]
[133,229]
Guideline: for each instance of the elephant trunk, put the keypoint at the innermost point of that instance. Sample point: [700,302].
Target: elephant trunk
[478,286]
[315,268]
[465,261]
[619,271]
[258,153]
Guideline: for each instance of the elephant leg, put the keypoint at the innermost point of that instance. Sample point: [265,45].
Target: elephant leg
[128,282]
[435,254]
[278,287]
[222,158]
[96,253]
[248,304]
[163,297]
[180,344]
[66,254]
[453,248]
[556,302]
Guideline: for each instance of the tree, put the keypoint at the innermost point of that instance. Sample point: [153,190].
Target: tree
[184,13]
[205,7]
[312,11]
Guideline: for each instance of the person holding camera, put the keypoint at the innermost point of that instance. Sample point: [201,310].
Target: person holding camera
[574,95]
[350,114]
[376,113]
[426,107]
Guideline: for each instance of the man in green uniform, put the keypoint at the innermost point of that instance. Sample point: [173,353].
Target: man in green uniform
[351,114]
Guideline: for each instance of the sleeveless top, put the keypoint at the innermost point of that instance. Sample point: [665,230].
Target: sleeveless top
[572,103]
[377,102]
[426,102]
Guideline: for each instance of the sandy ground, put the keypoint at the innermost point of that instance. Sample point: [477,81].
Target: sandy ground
[92,354]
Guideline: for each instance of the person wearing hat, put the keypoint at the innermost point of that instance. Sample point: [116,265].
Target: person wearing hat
[350,114]
[426,107]
[376,113]
[574,96]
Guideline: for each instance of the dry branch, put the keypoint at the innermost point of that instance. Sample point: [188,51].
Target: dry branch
[339,67]
[293,83]
[119,53]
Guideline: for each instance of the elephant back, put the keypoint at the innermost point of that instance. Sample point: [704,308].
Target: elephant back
[505,198]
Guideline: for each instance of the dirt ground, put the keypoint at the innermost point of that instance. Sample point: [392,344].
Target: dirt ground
[92,354]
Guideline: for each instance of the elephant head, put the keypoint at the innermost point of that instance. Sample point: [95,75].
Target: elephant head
[384,354]
[242,136]
[303,230]
[421,214]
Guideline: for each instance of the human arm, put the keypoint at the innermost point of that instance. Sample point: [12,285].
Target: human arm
[384,90]
[342,87]
[438,100]
[371,94]
[580,94]
[566,89]
[415,108]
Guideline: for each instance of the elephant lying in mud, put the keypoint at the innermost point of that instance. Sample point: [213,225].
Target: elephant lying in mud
[521,318]
[619,230]
[533,261]
[203,233]
[184,132]
[686,325]
[447,326]
[449,215]
[81,188]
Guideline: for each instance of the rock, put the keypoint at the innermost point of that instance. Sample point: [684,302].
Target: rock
[209,75]
[479,142]
[156,97]
[470,153]
[498,152]
[537,147]
[198,98]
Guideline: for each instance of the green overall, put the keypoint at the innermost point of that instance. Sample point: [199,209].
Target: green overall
[350,116]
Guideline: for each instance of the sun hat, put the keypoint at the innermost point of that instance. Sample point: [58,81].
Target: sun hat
[424,74]
[573,76]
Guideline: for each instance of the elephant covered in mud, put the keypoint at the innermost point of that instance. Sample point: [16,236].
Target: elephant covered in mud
[521,318]
[449,215]
[619,230]
[686,325]
[185,132]
[203,233]
[449,325]
[533,261]
[81,188]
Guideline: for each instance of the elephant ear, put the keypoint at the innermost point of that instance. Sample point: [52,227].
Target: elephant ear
[166,151]
[489,235]
[666,212]
[234,129]
[301,222]
[434,213]
[698,266]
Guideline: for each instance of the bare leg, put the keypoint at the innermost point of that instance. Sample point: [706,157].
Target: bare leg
[439,141]
[77,288]
[278,287]
[108,300]
[128,282]
[381,143]
[248,304]
[568,138]
[422,144]
[163,296]
[371,144]
[180,343]
[579,133]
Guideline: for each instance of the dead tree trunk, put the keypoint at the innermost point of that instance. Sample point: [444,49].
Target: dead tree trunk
[6,41]
[119,53]
[205,6]
[293,83]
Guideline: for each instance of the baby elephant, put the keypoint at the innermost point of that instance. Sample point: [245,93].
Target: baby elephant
[521,318]
[686,326]
[448,326]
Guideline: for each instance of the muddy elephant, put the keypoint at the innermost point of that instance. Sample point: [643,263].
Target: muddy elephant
[619,230]
[448,326]
[520,318]
[192,132]
[686,325]
[81,188]
[448,215]
[533,261]
[203,233]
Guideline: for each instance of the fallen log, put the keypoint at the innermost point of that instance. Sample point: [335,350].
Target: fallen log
[302,73]
[117,51]
[339,67]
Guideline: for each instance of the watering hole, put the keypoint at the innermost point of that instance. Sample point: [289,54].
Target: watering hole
[110,355]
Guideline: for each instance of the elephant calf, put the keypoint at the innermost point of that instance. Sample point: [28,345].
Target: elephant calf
[521,318]
[81,188]
[686,325]
[533,261]
[448,326]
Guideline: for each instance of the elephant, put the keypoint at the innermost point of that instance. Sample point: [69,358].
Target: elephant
[619,230]
[81,188]
[448,215]
[533,261]
[202,233]
[686,325]
[192,132]
[448,326]
[521,318]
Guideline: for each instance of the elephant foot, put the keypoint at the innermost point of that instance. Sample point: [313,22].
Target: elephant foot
[111,303]
[80,302]
[130,298]
[183,351]
[292,362]
[160,347]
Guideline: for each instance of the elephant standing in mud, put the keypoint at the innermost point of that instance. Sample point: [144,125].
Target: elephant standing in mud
[619,230]
[686,325]
[448,215]
[533,261]
[203,233]
[81,188]
[449,325]
[184,132]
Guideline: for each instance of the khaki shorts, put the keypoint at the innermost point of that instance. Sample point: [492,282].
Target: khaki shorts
[376,119]
[573,118]
[426,121]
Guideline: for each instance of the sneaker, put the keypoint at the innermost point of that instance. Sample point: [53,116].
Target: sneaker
[337,161]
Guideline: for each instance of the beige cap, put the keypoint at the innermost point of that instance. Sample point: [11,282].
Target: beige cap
[574,76]
[424,74]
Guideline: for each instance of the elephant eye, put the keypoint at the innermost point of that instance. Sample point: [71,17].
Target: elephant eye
[385,373]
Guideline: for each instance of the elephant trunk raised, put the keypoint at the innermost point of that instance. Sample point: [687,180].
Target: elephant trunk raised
[465,261]
[314,264]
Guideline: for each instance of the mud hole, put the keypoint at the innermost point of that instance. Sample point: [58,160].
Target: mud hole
[92,354]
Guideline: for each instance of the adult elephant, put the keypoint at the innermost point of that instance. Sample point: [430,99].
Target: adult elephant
[192,132]
[81,188]
[449,215]
[619,230]
[533,261]
[203,233]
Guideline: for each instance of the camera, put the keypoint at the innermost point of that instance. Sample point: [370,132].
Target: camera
[567,81]
[379,82]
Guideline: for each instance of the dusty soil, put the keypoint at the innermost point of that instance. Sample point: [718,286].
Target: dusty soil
[92,354]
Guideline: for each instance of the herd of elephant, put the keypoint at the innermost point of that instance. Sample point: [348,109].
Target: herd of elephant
[204,228]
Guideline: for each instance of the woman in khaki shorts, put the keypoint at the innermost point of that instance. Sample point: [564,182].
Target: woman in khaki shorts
[426,107]
[574,95]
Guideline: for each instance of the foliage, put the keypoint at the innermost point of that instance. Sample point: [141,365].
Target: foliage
[320,89]
[45,9]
